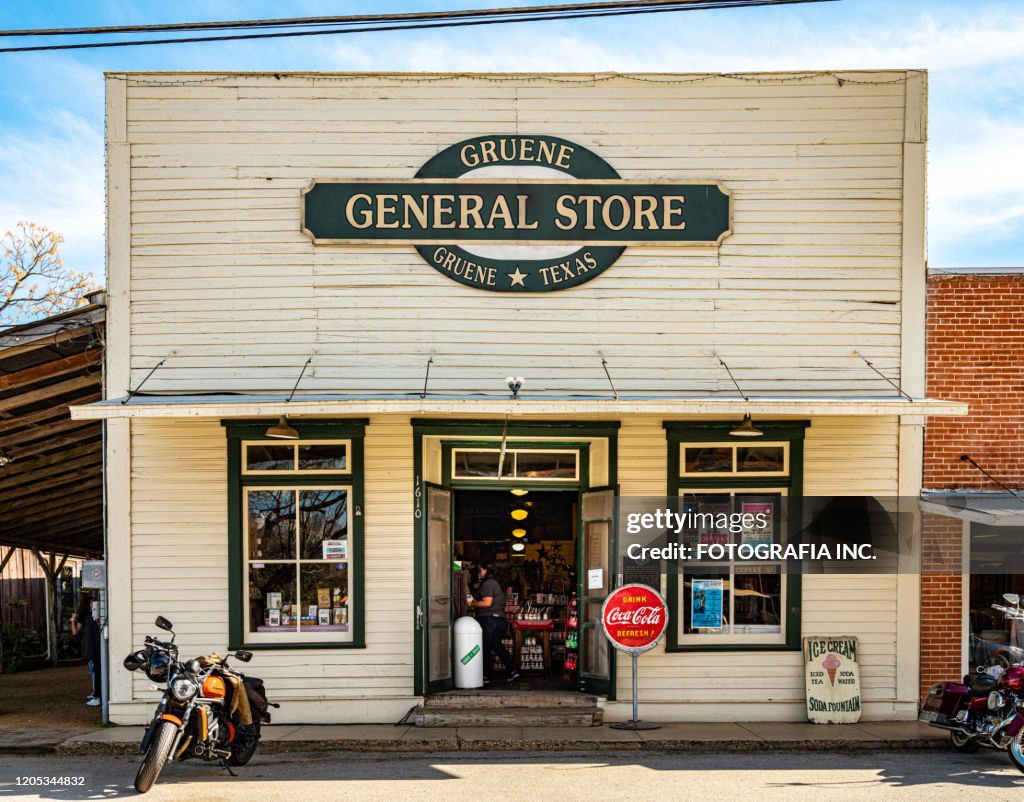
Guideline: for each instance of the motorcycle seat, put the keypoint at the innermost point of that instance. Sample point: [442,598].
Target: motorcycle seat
[980,684]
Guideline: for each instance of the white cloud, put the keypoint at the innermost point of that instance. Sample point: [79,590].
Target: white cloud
[55,179]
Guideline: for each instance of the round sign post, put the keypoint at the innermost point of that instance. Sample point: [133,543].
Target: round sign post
[634,618]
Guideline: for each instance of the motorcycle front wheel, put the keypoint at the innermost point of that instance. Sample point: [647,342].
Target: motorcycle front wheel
[156,756]
[964,743]
[1016,750]
[242,754]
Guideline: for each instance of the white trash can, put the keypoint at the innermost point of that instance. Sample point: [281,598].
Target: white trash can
[469,653]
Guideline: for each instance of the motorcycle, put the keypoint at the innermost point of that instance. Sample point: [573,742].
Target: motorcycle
[986,709]
[208,711]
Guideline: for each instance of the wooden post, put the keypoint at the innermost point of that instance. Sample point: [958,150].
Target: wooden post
[52,571]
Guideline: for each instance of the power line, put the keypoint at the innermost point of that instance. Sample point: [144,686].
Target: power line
[379,23]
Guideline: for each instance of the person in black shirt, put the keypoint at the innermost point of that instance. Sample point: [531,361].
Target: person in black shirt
[489,605]
[84,624]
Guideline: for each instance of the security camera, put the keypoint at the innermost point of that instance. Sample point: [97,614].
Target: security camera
[514,384]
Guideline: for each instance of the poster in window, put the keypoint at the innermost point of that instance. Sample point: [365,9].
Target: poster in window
[712,516]
[335,549]
[706,604]
[755,534]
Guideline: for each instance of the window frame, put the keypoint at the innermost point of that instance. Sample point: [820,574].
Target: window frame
[246,432]
[682,433]
[512,452]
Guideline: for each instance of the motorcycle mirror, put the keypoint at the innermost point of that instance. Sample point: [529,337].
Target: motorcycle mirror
[244,656]
[163,623]
[1012,598]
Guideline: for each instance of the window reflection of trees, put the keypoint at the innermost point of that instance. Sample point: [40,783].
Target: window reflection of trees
[323,515]
[272,524]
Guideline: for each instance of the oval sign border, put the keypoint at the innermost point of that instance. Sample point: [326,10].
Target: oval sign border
[585,164]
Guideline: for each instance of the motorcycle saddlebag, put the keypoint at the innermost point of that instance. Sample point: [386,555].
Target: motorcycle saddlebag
[943,701]
[257,697]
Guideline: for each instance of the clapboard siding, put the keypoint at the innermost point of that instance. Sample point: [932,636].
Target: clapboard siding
[221,274]
[843,456]
[179,558]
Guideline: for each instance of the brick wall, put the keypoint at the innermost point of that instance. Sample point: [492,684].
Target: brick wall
[976,354]
[975,335]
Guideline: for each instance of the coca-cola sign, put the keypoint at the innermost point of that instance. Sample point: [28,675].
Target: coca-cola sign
[634,618]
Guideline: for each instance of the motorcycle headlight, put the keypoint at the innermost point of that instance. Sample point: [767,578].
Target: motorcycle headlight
[183,689]
[996,700]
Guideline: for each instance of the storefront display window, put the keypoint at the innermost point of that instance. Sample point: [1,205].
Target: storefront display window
[734,493]
[297,524]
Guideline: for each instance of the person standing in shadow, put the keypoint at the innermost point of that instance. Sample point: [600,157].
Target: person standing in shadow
[82,623]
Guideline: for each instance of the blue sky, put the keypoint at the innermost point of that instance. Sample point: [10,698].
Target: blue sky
[51,104]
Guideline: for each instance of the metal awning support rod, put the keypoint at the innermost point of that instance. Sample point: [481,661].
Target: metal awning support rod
[426,378]
[721,362]
[899,389]
[291,395]
[604,364]
[990,477]
[132,393]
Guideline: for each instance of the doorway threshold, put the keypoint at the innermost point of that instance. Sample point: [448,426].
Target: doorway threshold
[504,707]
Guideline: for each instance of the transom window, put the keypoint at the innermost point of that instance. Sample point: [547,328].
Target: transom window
[312,457]
[730,459]
[519,464]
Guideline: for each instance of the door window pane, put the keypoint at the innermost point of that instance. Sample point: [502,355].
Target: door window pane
[758,599]
[271,520]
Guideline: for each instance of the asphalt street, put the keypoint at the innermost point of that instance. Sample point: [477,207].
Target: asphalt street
[931,775]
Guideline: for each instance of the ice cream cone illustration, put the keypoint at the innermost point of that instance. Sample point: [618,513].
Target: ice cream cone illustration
[831,665]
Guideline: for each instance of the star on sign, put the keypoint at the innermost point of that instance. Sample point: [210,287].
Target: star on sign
[517,277]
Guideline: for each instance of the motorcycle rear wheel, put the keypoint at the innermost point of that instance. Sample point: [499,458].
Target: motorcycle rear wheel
[1016,750]
[156,756]
[241,756]
[963,743]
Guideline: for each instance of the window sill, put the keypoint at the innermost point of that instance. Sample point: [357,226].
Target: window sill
[295,646]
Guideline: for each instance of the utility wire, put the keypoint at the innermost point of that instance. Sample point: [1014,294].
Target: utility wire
[397,22]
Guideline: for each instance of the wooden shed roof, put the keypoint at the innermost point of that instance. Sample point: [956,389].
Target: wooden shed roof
[51,491]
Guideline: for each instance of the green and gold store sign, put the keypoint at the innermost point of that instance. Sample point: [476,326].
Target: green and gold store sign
[515,213]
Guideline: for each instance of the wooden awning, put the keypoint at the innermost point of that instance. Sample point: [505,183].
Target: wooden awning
[51,490]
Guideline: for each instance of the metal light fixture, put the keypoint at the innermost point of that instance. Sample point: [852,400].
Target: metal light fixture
[746,428]
[5,458]
[282,430]
[520,514]
[519,491]
[518,549]
[518,533]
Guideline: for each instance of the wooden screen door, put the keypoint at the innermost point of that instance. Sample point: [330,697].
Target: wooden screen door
[596,576]
[434,608]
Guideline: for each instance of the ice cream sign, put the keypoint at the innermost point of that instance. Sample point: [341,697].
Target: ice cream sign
[833,680]
[517,213]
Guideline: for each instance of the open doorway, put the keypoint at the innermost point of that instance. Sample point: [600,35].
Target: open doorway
[530,539]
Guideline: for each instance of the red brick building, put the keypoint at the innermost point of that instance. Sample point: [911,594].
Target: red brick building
[975,342]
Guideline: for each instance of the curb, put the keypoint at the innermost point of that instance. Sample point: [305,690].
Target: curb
[455,744]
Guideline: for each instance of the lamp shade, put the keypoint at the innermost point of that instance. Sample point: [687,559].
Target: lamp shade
[520,514]
[282,431]
[746,429]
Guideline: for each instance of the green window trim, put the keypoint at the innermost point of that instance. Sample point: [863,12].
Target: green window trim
[237,431]
[679,432]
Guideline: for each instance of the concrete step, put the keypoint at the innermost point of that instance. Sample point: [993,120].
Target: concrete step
[508,717]
[505,697]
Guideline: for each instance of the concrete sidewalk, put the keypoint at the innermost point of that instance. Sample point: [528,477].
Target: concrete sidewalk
[710,737]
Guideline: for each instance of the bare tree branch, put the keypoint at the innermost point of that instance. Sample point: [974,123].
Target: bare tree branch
[34,282]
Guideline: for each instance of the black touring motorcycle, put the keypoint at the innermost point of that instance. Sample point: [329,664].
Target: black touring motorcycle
[208,711]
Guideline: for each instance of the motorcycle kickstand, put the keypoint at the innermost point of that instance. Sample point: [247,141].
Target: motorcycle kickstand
[224,765]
